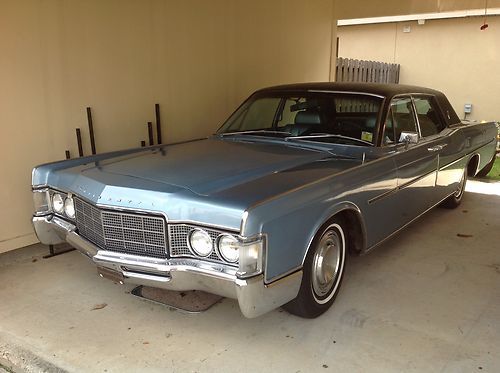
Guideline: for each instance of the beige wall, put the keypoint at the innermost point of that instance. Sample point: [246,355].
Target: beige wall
[198,59]
[451,55]
[348,9]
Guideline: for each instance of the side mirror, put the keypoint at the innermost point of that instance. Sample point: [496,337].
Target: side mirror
[408,138]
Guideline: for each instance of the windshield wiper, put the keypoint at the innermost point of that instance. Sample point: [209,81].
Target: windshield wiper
[327,135]
[255,133]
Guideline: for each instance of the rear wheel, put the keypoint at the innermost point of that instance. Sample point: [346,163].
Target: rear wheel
[486,170]
[455,199]
[323,272]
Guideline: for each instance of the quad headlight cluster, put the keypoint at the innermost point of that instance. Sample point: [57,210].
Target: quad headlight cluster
[202,244]
[49,201]
[247,253]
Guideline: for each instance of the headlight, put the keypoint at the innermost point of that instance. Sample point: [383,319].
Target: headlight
[200,242]
[229,248]
[69,207]
[58,203]
[41,200]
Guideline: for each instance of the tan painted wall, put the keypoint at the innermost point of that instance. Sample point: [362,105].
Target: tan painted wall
[198,59]
[378,8]
[451,55]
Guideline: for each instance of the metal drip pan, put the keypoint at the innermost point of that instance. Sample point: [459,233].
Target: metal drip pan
[193,301]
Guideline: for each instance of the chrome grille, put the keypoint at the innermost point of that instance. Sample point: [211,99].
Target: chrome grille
[122,232]
[179,236]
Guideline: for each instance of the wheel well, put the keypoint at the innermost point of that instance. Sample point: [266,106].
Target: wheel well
[473,165]
[354,231]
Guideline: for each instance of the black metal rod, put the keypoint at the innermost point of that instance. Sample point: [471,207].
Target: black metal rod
[150,133]
[53,252]
[158,123]
[79,141]
[68,154]
[91,130]
[143,143]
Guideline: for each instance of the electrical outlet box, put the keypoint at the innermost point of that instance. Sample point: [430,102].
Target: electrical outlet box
[406,28]
[467,108]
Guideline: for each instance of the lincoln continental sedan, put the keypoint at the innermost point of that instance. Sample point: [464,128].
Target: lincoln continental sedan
[269,209]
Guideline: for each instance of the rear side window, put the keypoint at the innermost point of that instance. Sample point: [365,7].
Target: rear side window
[429,117]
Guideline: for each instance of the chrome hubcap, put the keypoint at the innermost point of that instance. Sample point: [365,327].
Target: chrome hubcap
[326,263]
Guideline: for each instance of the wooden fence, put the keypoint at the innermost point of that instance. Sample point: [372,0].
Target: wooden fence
[350,70]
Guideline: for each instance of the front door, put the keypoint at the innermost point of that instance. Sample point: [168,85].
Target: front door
[416,161]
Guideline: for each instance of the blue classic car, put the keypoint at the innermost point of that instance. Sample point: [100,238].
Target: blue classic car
[268,209]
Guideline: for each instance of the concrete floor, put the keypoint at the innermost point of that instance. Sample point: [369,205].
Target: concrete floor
[427,300]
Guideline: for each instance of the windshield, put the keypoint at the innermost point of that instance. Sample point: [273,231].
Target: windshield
[345,118]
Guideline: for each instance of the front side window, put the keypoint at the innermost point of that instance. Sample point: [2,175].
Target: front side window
[327,117]
[400,119]
[258,116]
[428,116]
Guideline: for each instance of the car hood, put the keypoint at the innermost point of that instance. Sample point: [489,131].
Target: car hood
[208,166]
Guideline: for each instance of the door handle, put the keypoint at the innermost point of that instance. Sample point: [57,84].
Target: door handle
[436,148]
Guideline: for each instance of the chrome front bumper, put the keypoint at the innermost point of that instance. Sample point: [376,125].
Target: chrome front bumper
[254,296]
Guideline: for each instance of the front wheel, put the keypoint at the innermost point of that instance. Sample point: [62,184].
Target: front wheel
[323,272]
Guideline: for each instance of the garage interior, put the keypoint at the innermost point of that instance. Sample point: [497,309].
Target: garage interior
[426,300]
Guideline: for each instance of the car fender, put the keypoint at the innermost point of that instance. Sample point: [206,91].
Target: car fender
[329,214]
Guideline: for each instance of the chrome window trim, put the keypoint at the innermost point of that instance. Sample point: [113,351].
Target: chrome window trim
[346,92]
[382,124]
[432,100]
[415,117]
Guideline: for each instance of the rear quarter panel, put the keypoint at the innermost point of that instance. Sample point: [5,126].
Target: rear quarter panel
[480,138]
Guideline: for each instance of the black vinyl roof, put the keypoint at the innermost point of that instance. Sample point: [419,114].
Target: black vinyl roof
[386,90]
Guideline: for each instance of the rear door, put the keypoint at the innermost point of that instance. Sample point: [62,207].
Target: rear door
[444,142]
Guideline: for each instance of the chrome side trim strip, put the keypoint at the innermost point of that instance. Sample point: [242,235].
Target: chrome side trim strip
[444,167]
[273,280]
[404,226]
[399,187]
[413,181]
[383,195]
